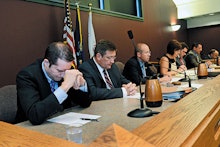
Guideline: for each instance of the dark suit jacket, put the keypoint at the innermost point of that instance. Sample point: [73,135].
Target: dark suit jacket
[205,57]
[36,102]
[192,59]
[96,84]
[132,71]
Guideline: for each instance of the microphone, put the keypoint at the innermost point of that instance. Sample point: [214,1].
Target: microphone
[189,80]
[130,35]
[185,77]
[140,112]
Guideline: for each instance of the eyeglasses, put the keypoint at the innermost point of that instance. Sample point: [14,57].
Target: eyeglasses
[110,57]
[147,52]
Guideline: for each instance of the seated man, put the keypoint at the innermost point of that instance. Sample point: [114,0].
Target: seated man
[50,85]
[180,59]
[193,57]
[137,69]
[213,54]
[103,76]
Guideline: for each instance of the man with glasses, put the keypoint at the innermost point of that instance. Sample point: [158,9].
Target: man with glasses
[137,68]
[49,85]
[103,76]
[180,59]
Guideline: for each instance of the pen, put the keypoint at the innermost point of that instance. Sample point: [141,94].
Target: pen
[89,119]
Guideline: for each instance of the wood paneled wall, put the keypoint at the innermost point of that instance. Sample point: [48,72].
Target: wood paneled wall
[208,36]
[27,28]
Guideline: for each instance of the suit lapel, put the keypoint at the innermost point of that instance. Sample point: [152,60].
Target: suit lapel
[96,71]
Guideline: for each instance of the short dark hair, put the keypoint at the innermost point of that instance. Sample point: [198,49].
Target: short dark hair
[104,45]
[184,45]
[172,46]
[196,44]
[58,50]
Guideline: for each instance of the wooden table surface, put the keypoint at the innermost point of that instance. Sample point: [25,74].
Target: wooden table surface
[112,111]
[15,136]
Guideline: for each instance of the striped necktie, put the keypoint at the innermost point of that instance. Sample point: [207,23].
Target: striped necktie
[182,62]
[52,85]
[107,79]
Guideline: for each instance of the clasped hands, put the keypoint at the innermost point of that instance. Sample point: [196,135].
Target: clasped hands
[72,78]
[130,88]
[182,68]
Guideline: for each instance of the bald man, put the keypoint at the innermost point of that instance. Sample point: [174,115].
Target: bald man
[137,68]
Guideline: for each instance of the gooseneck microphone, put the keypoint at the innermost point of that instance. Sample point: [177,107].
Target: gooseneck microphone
[189,80]
[130,35]
[141,95]
[185,77]
[140,112]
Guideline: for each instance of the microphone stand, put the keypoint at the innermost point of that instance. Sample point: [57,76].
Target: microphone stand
[185,76]
[139,112]
[141,97]
[189,80]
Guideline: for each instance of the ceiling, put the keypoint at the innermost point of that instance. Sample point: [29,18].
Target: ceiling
[198,13]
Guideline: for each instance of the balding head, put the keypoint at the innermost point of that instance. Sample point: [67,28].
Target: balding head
[143,52]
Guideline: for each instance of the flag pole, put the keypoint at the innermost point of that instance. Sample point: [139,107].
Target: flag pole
[91,33]
[80,29]
[90,6]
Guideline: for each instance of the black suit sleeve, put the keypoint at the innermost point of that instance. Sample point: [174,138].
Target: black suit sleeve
[96,84]
[32,102]
[191,61]
[132,72]
[36,102]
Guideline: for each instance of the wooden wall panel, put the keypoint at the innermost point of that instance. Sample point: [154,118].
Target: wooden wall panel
[208,36]
[27,28]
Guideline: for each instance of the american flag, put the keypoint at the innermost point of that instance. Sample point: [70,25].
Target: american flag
[68,35]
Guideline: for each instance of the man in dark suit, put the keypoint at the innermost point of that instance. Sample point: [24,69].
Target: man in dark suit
[50,85]
[180,59]
[193,57]
[213,54]
[102,75]
[137,68]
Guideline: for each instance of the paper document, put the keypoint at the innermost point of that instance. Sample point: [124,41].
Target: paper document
[72,118]
[191,72]
[174,79]
[192,85]
[137,96]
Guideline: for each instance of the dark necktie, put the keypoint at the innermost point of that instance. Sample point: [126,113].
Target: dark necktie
[108,81]
[143,70]
[52,85]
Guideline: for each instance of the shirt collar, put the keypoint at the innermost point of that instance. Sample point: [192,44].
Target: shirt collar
[45,73]
[98,66]
[141,62]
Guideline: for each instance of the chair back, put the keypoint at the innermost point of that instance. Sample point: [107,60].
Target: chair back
[8,103]
[120,66]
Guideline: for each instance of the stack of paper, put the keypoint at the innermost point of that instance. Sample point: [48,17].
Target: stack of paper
[72,118]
